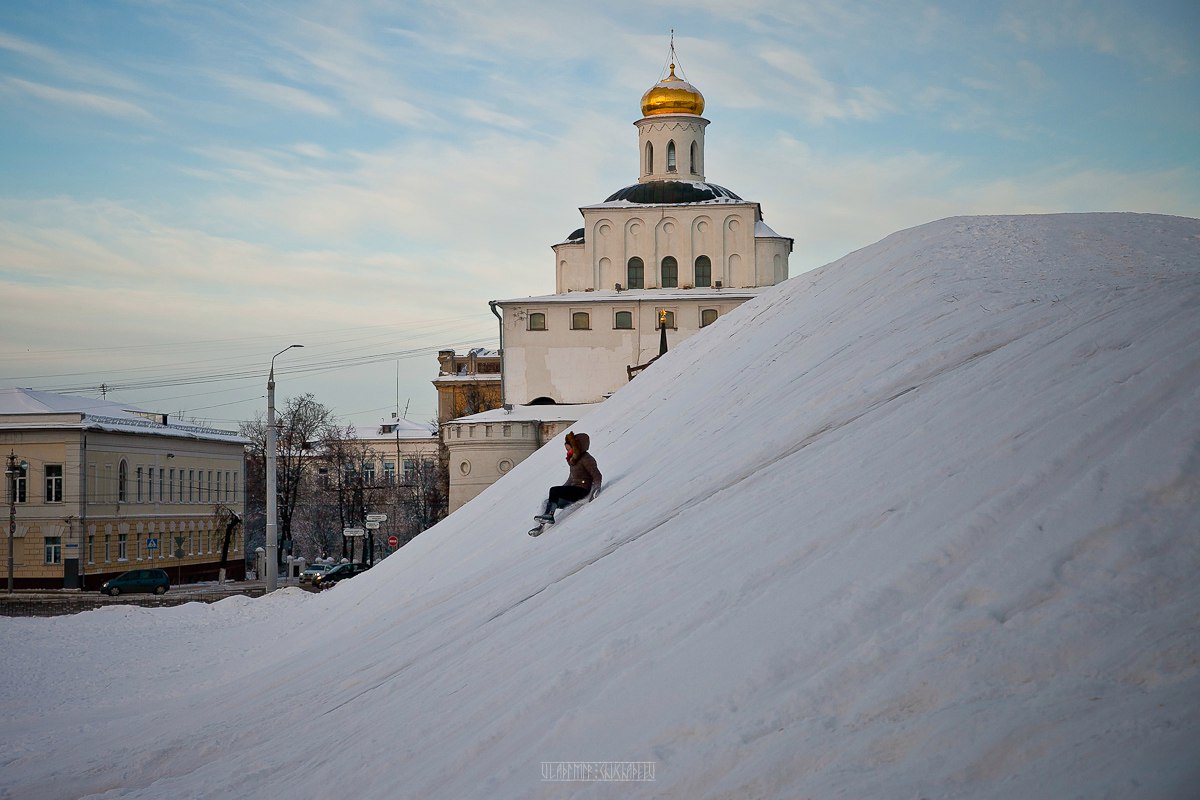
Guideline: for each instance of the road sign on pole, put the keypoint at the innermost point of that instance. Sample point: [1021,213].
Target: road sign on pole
[352,532]
[376,517]
[393,542]
[372,525]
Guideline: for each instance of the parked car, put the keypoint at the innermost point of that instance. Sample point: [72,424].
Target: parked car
[339,572]
[313,570]
[138,580]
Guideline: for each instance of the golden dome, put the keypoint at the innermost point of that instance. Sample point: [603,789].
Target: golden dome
[672,95]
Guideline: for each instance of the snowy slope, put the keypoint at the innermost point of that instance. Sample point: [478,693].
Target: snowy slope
[922,523]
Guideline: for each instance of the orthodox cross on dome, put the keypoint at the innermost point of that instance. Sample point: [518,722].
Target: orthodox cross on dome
[673,59]
[673,94]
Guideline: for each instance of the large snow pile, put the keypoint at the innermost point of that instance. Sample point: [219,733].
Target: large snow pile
[921,523]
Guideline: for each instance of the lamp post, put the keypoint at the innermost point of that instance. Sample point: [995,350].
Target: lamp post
[12,472]
[272,545]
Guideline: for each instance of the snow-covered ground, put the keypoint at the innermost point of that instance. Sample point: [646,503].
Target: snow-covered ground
[922,523]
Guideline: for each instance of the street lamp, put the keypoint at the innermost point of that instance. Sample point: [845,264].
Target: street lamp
[12,472]
[272,544]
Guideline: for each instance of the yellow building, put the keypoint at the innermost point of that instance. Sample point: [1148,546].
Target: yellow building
[95,489]
[467,384]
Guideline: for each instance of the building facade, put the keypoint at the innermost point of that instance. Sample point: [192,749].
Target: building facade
[467,384]
[671,251]
[97,489]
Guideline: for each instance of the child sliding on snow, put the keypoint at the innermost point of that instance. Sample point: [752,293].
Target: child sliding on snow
[583,481]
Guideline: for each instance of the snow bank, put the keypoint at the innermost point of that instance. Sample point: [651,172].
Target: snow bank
[921,523]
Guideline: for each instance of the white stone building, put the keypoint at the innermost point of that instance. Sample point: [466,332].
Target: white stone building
[672,242]
[670,250]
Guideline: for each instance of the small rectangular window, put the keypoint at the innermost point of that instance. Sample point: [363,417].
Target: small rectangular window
[581,321]
[707,317]
[623,320]
[123,547]
[19,485]
[54,483]
[537,321]
[53,549]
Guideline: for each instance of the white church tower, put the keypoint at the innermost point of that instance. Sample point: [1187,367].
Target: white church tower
[671,250]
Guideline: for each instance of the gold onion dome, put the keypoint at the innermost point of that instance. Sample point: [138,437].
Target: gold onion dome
[672,95]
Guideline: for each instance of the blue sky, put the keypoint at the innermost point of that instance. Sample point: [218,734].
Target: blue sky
[187,188]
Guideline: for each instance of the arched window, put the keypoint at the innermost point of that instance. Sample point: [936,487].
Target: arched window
[670,273]
[695,158]
[649,158]
[671,156]
[537,321]
[703,271]
[635,277]
[122,481]
[623,320]
[581,321]
[707,317]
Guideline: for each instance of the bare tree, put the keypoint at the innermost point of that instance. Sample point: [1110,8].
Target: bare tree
[353,482]
[229,520]
[301,424]
[420,496]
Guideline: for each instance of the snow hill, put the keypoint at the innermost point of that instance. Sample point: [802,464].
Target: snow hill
[921,523]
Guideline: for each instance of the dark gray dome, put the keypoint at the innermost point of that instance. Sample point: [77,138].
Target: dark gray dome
[667,192]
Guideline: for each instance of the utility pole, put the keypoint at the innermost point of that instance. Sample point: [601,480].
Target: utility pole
[272,544]
[12,472]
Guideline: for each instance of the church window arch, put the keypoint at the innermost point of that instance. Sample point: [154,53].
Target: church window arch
[695,158]
[707,317]
[537,321]
[122,481]
[670,273]
[581,321]
[623,320]
[671,156]
[649,158]
[635,274]
[703,271]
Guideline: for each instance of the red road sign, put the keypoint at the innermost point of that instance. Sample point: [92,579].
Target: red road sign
[393,541]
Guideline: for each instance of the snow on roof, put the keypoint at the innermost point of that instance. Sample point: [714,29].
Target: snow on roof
[549,412]
[396,428]
[634,295]
[477,377]
[30,408]
[763,231]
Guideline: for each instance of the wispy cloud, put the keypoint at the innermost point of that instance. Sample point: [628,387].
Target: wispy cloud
[90,102]
[279,95]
